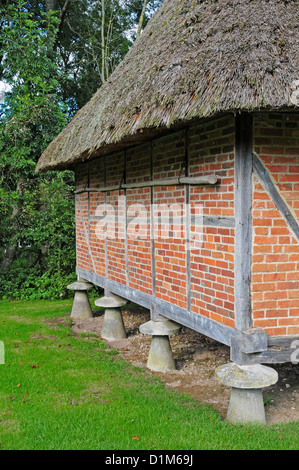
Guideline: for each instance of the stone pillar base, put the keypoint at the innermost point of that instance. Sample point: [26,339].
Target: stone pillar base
[113,326]
[246,403]
[160,356]
[81,306]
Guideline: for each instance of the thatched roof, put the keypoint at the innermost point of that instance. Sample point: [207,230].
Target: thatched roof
[194,59]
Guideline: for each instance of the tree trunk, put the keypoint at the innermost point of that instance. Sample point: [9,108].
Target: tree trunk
[12,247]
[103,42]
[51,5]
[141,17]
[2,5]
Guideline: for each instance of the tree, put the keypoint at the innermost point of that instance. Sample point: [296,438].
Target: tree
[91,38]
[54,54]
[32,115]
[141,19]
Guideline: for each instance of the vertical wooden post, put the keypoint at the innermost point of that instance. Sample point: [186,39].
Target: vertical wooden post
[152,226]
[105,205]
[188,222]
[88,196]
[126,219]
[243,220]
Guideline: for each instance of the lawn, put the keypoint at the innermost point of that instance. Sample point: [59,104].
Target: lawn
[61,391]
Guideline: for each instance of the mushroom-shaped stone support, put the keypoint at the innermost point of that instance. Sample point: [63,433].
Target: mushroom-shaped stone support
[113,326]
[81,306]
[160,356]
[246,401]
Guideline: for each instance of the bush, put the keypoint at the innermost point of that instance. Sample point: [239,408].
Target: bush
[21,286]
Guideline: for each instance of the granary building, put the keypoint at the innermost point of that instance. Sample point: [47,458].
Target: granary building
[187,178]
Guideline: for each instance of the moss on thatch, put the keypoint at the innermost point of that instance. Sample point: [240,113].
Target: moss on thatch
[193,60]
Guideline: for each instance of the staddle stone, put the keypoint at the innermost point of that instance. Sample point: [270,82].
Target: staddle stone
[246,403]
[113,325]
[160,328]
[81,306]
[160,356]
[80,285]
[249,376]
[111,302]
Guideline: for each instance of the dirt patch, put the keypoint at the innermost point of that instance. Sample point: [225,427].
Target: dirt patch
[196,358]
[57,321]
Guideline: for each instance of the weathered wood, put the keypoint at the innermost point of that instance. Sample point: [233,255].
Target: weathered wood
[188,222]
[280,349]
[154,315]
[282,341]
[243,221]
[247,342]
[271,356]
[126,219]
[196,180]
[196,322]
[225,222]
[269,185]
[152,228]
[105,202]
[215,221]
[88,196]
[253,340]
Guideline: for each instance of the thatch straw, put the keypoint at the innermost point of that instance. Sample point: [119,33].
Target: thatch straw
[193,60]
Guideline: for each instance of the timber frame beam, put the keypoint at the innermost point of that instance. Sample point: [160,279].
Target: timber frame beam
[243,220]
[183,180]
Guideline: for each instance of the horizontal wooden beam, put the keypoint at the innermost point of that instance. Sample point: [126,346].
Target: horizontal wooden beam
[215,221]
[279,350]
[196,180]
[270,356]
[207,221]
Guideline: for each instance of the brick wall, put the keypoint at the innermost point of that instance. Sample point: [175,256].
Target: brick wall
[116,248]
[201,279]
[211,151]
[138,169]
[83,259]
[96,200]
[170,245]
[275,263]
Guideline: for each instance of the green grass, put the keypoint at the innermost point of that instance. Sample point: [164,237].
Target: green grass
[59,391]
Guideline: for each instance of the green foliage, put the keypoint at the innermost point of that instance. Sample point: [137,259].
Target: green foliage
[53,63]
[86,59]
[45,262]
[37,212]
[33,112]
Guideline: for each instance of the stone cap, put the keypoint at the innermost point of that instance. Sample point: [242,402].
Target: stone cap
[160,328]
[80,285]
[111,302]
[249,376]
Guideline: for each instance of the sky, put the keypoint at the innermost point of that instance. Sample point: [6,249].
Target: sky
[3,87]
